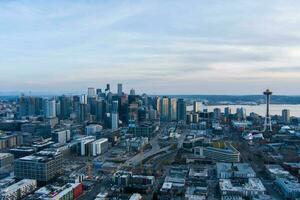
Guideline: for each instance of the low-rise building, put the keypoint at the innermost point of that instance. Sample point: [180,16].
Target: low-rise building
[276,171]
[290,189]
[244,188]
[18,190]
[234,170]
[6,160]
[225,154]
[68,191]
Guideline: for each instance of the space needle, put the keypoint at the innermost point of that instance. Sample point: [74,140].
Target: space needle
[268,123]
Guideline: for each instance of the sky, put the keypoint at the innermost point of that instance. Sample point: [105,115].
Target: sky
[154,46]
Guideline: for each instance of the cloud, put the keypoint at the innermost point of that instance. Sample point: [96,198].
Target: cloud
[66,44]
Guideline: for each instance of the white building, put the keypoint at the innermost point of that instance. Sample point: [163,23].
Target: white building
[251,187]
[99,146]
[85,145]
[61,136]
[19,189]
[196,106]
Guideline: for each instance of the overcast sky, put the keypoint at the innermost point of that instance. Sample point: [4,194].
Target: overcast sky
[157,47]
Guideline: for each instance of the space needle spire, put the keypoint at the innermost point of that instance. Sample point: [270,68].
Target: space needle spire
[268,123]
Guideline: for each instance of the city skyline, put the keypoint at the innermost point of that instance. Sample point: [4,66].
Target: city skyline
[213,47]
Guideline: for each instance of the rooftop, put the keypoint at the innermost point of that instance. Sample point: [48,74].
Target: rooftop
[42,156]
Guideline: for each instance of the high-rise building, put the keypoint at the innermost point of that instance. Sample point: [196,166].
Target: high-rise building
[115,115]
[196,106]
[91,92]
[83,112]
[107,88]
[133,111]
[132,92]
[227,111]
[181,110]
[30,106]
[286,116]
[120,89]
[217,113]
[241,113]
[158,105]
[65,107]
[173,112]
[100,110]
[165,109]
[83,99]
[49,108]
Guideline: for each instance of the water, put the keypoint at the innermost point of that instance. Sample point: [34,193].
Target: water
[275,109]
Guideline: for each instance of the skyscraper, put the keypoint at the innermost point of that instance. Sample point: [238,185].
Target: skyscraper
[65,107]
[173,112]
[181,110]
[165,109]
[84,99]
[91,92]
[114,115]
[241,113]
[227,111]
[158,105]
[196,106]
[120,89]
[132,92]
[49,108]
[217,113]
[286,116]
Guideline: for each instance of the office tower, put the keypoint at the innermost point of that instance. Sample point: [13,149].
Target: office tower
[286,116]
[196,106]
[99,110]
[165,108]
[43,166]
[132,92]
[38,104]
[195,118]
[91,92]
[120,89]
[241,113]
[227,111]
[30,106]
[133,112]
[98,91]
[83,112]
[107,88]
[158,105]
[114,115]
[57,108]
[173,112]
[75,105]
[142,114]
[65,107]
[83,99]
[217,113]
[268,123]
[181,110]
[61,136]
[49,108]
